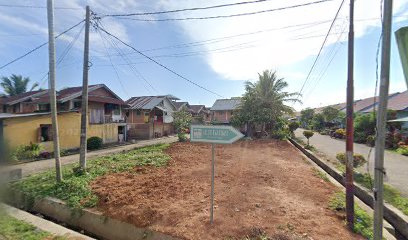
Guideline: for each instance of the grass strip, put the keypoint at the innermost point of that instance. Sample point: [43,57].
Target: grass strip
[75,189]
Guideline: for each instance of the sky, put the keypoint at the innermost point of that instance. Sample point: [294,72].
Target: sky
[218,55]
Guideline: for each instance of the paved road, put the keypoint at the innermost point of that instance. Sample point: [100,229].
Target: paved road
[396,165]
[40,166]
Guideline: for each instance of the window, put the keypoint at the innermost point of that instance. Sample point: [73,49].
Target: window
[44,107]
[77,104]
[45,133]
[220,113]
[96,116]
[138,112]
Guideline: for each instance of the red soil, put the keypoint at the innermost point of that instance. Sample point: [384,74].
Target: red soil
[258,185]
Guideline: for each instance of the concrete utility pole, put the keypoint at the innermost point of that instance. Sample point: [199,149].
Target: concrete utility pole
[84,105]
[53,100]
[349,124]
[382,120]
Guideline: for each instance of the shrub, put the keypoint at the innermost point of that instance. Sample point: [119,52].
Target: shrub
[403,150]
[360,137]
[308,134]
[392,139]
[370,140]
[279,134]
[358,159]
[182,137]
[293,126]
[340,133]
[94,143]
[26,152]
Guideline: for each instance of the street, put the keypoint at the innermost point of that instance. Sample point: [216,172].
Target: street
[396,165]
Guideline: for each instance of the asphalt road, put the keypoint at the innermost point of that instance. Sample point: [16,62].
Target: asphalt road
[396,165]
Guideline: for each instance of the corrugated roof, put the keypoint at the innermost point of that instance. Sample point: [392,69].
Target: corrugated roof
[178,105]
[226,104]
[144,102]
[23,96]
[396,101]
[196,108]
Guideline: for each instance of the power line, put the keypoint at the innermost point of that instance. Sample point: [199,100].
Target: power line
[38,7]
[64,53]
[40,46]
[321,48]
[185,9]
[225,16]
[158,63]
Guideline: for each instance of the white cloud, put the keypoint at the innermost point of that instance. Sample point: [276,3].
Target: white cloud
[273,49]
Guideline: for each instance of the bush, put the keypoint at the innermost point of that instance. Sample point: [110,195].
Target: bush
[370,140]
[360,137]
[94,143]
[392,140]
[26,152]
[340,133]
[279,134]
[182,137]
[358,159]
[293,126]
[403,150]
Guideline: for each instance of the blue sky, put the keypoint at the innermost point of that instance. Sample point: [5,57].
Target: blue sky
[271,40]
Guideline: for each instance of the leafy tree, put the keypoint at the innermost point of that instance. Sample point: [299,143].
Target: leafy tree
[306,116]
[308,134]
[264,102]
[16,84]
[330,114]
[293,126]
[318,122]
[182,121]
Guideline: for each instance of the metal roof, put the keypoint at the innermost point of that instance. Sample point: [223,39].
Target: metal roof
[226,104]
[145,102]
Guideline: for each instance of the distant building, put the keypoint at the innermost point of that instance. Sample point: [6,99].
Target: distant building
[200,113]
[150,116]
[223,109]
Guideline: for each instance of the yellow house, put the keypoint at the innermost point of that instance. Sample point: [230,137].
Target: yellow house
[105,118]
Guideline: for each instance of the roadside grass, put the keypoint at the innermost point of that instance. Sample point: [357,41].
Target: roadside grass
[320,174]
[75,189]
[363,221]
[391,194]
[12,228]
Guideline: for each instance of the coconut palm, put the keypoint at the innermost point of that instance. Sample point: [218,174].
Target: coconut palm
[16,84]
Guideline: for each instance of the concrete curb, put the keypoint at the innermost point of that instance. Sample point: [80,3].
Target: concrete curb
[43,224]
[395,217]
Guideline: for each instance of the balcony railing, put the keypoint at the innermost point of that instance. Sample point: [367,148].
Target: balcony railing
[114,119]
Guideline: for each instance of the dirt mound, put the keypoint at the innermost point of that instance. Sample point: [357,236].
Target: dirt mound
[258,185]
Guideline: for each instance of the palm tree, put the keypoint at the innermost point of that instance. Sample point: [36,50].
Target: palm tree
[265,100]
[16,84]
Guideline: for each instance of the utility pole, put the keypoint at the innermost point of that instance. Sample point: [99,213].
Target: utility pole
[84,105]
[349,124]
[53,100]
[382,120]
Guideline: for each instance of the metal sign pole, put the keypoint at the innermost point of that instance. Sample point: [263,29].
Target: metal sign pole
[212,186]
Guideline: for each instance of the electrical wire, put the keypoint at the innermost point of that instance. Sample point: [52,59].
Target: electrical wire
[39,46]
[225,16]
[39,7]
[320,50]
[158,63]
[185,9]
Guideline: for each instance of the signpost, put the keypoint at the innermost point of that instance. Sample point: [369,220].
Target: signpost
[214,134]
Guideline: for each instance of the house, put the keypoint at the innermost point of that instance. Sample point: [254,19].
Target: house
[20,103]
[32,123]
[150,116]
[181,105]
[200,113]
[223,109]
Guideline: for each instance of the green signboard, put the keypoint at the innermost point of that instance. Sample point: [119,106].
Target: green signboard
[214,134]
[402,41]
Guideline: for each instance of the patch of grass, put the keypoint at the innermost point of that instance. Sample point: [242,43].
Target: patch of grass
[363,222]
[391,195]
[11,228]
[320,174]
[75,189]
[310,147]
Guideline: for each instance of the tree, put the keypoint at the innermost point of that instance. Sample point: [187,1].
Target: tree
[318,122]
[330,114]
[16,84]
[182,121]
[264,102]
[306,116]
[308,134]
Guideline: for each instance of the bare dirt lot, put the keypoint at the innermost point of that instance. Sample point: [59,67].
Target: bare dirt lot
[258,185]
